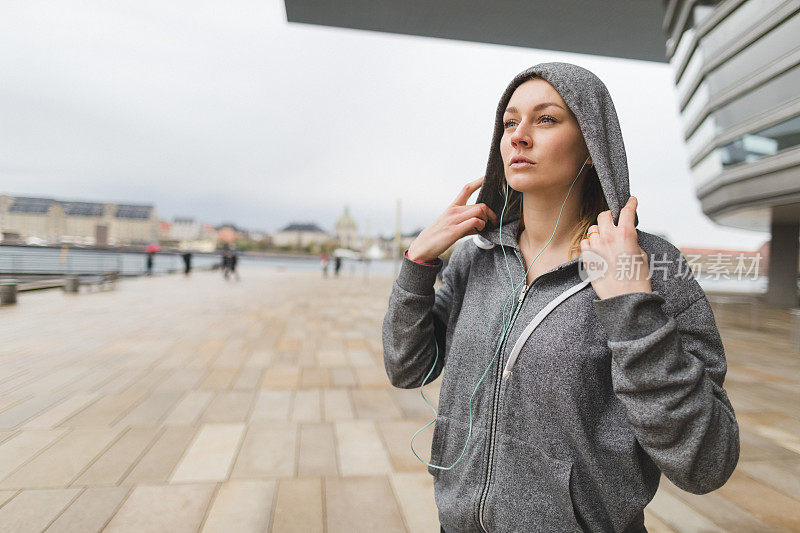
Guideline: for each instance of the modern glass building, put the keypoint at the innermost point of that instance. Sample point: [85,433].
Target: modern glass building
[736,67]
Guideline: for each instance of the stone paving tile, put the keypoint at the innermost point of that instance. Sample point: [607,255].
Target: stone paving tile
[769,505]
[189,408]
[712,507]
[107,409]
[55,414]
[22,447]
[361,504]
[27,409]
[298,507]
[281,376]
[268,450]
[414,493]
[60,464]
[307,406]
[342,376]
[317,450]
[173,508]
[248,379]
[375,404]
[198,403]
[182,379]
[150,410]
[158,462]
[52,382]
[92,381]
[784,476]
[115,462]
[90,511]
[32,510]
[272,405]
[6,495]
[360,448]
[259,359]
[676,514]
[314,377]
[243,504]
[371,376]
[218,379]
[121,380]
[210,455]
[228,406]
[331,358]
[336,405]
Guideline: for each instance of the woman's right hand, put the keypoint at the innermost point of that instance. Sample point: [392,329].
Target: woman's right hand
[457,221]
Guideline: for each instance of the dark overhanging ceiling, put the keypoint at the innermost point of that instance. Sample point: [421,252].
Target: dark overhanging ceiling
[630,29]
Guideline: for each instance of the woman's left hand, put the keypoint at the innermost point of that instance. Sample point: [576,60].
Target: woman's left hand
[627,269]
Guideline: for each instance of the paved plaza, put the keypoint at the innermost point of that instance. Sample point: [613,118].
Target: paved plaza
[195,404]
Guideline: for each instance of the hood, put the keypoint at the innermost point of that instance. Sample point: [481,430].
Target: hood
[589,100]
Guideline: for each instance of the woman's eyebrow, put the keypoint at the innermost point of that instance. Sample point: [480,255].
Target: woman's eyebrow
[513,109]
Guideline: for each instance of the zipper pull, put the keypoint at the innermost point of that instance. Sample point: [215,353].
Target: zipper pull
[522,293]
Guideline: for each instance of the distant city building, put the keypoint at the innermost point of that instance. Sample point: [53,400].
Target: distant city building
[299,235]
[208,231]
[184,229]
[345,230]
[228,233]
[186,233]
[256,235]
[89,223]
[164,230]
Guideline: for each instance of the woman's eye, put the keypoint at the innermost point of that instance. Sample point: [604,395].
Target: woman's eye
[508,123]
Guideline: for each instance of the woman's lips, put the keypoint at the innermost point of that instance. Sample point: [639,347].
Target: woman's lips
[521,164]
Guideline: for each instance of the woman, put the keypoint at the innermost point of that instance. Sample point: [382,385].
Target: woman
[565,394]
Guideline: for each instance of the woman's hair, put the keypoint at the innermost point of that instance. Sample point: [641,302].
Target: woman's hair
[593,202]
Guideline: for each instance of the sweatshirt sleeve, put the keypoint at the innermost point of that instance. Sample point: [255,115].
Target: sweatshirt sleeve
[668,372]
[415,314]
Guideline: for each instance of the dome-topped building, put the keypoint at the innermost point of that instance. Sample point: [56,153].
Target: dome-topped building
[345,230]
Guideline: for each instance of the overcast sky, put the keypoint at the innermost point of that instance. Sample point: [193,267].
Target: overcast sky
[226,112]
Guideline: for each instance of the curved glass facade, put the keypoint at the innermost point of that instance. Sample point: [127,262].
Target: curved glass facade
[757,145]
[741,116]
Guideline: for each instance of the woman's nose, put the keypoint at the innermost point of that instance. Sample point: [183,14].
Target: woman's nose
[520,137]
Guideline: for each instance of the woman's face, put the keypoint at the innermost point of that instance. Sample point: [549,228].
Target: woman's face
[538,125]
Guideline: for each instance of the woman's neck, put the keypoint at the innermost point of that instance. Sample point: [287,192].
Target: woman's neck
[539,216]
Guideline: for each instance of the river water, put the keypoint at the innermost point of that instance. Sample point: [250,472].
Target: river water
[53,260]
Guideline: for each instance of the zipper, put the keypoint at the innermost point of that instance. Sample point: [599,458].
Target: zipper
[496,402]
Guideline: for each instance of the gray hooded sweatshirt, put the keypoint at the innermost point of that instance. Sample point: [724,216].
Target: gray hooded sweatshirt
[589,400]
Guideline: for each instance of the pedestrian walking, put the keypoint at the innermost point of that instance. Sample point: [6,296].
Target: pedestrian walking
[226,263]
[234,259]
[187,263]
[325,262]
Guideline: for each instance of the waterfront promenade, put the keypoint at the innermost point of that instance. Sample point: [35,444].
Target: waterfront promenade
[185,404]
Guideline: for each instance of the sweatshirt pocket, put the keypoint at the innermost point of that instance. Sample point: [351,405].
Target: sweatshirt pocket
[456,490]
[529,490]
